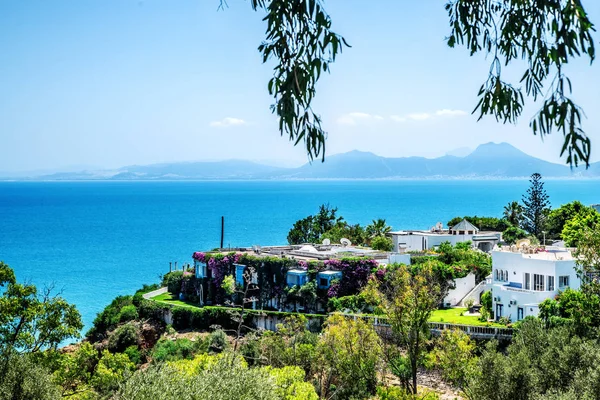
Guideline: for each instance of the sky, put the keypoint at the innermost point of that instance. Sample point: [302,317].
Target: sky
[109,83]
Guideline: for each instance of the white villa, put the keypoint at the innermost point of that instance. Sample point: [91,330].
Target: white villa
[415,240]
[523,277]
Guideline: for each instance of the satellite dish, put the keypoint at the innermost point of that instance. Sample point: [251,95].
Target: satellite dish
[439,226]
[345,242]
[326,242]
[523,243]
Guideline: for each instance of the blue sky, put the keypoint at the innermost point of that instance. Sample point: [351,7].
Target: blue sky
[115,82]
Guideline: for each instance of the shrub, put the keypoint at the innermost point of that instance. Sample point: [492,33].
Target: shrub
[217,341]
[172,281]
[151,310]
[123,337]
[173,350]
[382,243]
[354,303]
[250,349]
[112,370]
[204,318]
[108,318]
[128,313]
[397,393]
[486,301]
[134,355]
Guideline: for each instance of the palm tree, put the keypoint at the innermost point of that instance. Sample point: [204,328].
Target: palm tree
[378,228]
[513,212]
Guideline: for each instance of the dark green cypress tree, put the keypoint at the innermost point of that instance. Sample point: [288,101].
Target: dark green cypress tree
[535,206]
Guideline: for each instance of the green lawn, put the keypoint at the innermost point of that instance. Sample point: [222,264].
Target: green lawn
[452,316]
[168,298]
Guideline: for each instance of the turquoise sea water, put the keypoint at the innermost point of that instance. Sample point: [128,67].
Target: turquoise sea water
[96,240]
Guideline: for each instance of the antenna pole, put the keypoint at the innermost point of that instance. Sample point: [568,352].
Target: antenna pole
[222,230]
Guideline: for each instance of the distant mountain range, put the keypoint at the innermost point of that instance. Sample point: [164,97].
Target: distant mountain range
[488,161]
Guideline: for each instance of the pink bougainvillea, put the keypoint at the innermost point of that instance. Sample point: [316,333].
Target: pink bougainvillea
[355,275]
[199,256]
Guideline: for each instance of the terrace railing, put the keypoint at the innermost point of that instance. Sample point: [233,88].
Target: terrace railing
[479,332]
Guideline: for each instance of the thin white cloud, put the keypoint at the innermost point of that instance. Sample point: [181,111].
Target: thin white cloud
[227,122]
[444,113]
[419,116]
[355,117]
[397,118]
[450,113]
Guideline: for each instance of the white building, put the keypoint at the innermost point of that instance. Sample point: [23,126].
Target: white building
[464,231]
[523,278]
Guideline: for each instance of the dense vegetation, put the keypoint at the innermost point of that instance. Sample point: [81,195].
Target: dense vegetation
[327,224]
[533,218]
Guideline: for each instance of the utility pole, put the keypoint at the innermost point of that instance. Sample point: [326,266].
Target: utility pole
[222,230]
[170,266]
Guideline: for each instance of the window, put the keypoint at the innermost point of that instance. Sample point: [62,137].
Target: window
[538,282]
[563,281]
[527,281]
[506,275]
[497,276]
[519,313]
[550,287]
[323,282]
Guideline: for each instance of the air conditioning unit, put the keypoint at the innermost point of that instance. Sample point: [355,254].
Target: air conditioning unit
[513,302]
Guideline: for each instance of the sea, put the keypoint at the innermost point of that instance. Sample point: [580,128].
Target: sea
[92,241]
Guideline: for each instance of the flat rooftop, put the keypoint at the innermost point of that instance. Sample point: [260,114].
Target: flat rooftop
[549,253]
[444,232]
[308,252]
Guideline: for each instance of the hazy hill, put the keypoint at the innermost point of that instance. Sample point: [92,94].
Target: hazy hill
[487,161]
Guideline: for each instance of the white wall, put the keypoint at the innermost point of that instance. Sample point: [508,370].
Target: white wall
[463,287]
[418,241]
[398,258]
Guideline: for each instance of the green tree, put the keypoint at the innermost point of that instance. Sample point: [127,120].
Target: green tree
[455,353]
[407,297]
[303,232]
[32,321]
[512,234]
[574,229]
[351,355]
[542,35]
[538,364]
[587,258]
[535,206]
[23,378]
[311,228]
[378,228]
[483,223]
[74,371]
[355,233]
[558,217]
[578,309]
[513,213]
